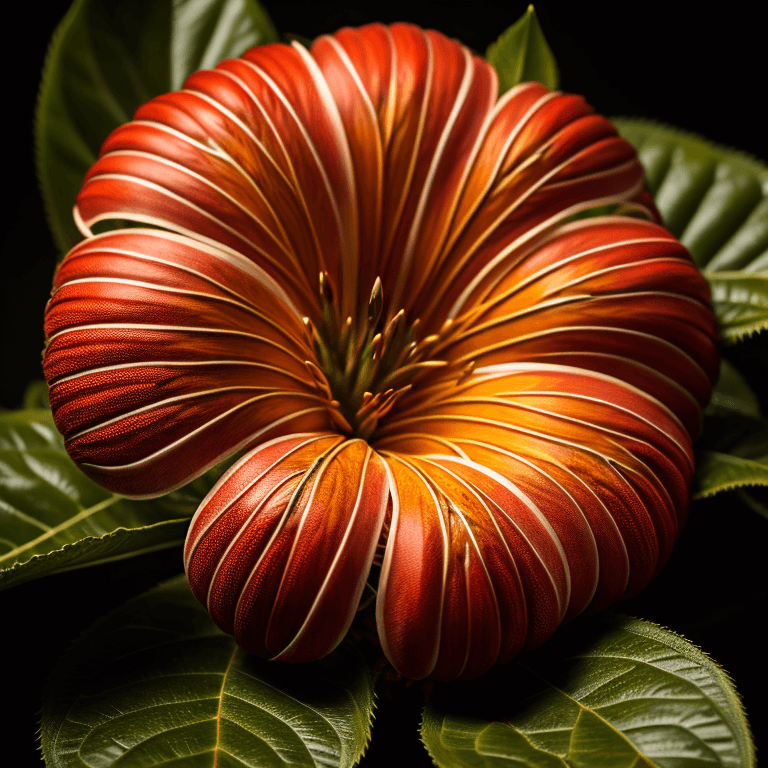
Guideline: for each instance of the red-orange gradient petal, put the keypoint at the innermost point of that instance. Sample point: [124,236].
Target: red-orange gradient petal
[380,153]
[166,355]
[613,295]
[472,571]
[544,469]
[544,155]
[280,550]
[601,473]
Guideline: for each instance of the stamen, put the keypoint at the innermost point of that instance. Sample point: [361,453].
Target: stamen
[375,304]
[366,365]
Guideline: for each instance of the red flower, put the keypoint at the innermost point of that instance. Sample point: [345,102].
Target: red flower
[504,426]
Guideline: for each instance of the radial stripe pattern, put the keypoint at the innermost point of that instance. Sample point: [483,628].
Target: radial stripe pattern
[360,268]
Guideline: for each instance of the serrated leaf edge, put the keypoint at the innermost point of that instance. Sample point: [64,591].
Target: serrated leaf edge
[678,643]
[698,655]
[733,485]
[116,533]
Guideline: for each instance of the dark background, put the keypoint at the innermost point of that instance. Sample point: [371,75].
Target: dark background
[698,70]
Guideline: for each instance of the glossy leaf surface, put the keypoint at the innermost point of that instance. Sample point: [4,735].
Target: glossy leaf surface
[156,683]
[94,550]
[105,60]
[54,518]
[521,54]
[609,693]
[716,201]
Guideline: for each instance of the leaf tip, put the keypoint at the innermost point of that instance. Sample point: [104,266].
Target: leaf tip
[521,54]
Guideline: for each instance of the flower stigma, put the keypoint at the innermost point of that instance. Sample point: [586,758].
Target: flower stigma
[367,363]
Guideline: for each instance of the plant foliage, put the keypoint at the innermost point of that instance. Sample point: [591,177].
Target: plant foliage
[154,682]
[613,692]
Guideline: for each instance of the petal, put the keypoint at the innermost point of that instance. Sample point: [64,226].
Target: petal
[608,466]
[413,105]
[166,355]
[251,155]
[613,295]
[472,570]
[280,550]
[544,156]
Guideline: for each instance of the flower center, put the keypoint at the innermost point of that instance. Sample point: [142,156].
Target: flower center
[366,364]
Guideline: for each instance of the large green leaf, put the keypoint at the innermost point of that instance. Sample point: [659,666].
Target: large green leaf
[614,692]
[155,682]
[53,518]
[105,60]
[521,53]
[716,201]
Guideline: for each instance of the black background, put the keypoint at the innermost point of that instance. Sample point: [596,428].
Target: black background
[700,70]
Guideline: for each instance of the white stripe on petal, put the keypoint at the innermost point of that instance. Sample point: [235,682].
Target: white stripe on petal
[220,457]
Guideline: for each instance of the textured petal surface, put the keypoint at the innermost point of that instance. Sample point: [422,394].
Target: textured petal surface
[572,482]
[382,153]
[280,550]
[166,355]
[527,451]
[594,353]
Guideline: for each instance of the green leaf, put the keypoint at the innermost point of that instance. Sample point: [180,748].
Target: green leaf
[733,448]
[108,58]
[716,201]
[732,395]
[207,31]
[521,54]
[717,472]
[614,692]
[744,464]
[740,300]
[53,518]
[94,550]
[155,682]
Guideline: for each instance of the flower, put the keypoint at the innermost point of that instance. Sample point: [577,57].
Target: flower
[365,270]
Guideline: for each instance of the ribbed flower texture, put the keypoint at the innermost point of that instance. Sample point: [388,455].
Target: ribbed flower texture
[363,269]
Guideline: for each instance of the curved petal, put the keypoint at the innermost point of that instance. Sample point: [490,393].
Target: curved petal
[166,355]
[544,156]
[251,155]
[280,549]
[608,467]
[472,571]
[613,295]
